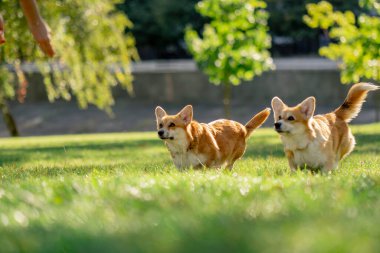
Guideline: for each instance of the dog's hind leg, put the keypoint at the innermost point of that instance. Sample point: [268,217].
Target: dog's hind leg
[230,166]
[347,146]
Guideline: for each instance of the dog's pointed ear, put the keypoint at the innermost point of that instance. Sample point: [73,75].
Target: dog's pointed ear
[186,114]
[160,113]
[277,106]
[308,107]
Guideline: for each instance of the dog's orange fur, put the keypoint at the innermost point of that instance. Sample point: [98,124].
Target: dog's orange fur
[319,141]
[215,145]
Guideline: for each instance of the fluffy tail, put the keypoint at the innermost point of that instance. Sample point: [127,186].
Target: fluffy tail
[353,103]
[257,121]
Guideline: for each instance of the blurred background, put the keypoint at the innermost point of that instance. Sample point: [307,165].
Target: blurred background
[117,60]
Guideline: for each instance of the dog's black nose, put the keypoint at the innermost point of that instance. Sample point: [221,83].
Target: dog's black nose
[277,125]
[161,132]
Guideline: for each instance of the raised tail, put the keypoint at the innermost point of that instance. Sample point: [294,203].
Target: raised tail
[256,121]
[353,103]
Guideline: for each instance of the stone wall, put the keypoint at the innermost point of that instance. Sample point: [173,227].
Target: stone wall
[180,82]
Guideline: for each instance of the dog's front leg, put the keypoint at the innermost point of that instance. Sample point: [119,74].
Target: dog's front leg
[329,166]
[290,156]
[178,160]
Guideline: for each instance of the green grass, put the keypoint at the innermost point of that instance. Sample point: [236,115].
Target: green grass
[121,193]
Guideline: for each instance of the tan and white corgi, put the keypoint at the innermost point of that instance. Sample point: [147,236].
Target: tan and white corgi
[320,141]
[214,145]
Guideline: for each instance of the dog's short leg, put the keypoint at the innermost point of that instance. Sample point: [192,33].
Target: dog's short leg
[290,156]
[230,166]
[199,166]
[329,165]
[327,168]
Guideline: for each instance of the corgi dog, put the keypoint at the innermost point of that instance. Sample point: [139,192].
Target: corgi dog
[214,145]
[320,141]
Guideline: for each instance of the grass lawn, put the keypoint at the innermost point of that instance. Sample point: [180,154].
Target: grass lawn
[121,193]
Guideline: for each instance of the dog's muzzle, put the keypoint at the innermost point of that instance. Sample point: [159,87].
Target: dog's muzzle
[277,127]
[161,134]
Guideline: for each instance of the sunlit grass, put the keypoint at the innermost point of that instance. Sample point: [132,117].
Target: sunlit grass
[121,193]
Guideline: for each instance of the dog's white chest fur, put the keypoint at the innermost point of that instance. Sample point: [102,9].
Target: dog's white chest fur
[182,157]
[188,159]
[310,156]
[306,152]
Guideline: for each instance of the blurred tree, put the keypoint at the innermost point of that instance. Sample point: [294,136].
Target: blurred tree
[94,53]
[159,25]
[355,42]
[234,45]
[290,33]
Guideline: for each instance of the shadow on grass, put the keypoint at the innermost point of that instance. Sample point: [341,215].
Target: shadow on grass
[211,233]
[11,172]
[214,235]
[264,150]
[264,146]
[136,149]
[367,143]
[73,150]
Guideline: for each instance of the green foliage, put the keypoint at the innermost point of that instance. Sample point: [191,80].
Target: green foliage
[93,53]
[234,45]
[82,193]
[6,88]
[159,24]
[356,42]
[286,17]
[371,5]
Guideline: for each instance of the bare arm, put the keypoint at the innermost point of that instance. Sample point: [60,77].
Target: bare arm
[37,26]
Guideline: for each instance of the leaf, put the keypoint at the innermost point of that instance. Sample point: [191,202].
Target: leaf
[235,38]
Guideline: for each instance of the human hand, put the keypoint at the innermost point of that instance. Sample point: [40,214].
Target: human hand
[41,33]
[37,26]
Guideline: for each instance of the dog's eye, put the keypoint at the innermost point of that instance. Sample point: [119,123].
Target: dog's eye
[279,117]
[172,125]
[160,125]
[290,118]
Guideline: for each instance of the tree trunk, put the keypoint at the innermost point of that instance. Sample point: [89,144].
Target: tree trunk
[227,100]
[8,119]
